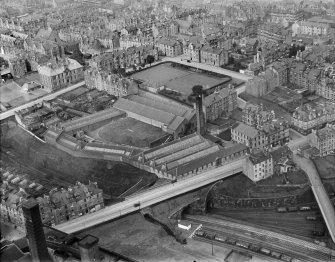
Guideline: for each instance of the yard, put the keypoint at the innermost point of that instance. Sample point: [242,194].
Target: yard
[11,93]
[326,166]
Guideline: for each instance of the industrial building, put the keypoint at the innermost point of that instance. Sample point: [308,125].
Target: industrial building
[189,156]
[172,117]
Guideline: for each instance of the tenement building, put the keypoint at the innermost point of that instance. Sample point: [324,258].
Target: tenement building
[125,58]
[307,117]
[111,83]
[57,75]
[17,66]
[58,206]
[259,166]
[255,115]
[326,89]
[323,140]
[220,103]
[249,136]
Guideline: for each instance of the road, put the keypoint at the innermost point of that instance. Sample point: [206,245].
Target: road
[145,199]
[320,193]
[10,112]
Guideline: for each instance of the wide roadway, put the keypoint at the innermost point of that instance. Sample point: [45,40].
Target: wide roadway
[51,96]
[134,203]
[319,191]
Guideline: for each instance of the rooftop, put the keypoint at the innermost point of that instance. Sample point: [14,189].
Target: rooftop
[246,130]
[88,241]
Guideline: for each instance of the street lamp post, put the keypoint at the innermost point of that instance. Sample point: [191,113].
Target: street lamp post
[213,244]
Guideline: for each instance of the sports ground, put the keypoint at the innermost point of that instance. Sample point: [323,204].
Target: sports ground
[128,131]
[178,78]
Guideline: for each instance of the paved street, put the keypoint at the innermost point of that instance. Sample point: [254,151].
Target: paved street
[319,191]
[10,112]
[149,198]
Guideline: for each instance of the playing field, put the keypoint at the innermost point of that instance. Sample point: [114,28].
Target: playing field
[128,131]
[179,79]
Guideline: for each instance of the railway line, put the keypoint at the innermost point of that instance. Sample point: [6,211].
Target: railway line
[253,246]
[236,248]
[310,250]
[42,176]
[294,223]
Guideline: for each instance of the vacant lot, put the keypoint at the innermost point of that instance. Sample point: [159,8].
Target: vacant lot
[325,166]
[128,131]
[11,93]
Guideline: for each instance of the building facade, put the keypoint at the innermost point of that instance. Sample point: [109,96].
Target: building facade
[58,206]
[170,47]
[249,136]
[57,75]
[220,103]
[326,89]
[17,66]
[213,56]
[111,83]
[305,118]
[259,166]
[323,140]
[124,58]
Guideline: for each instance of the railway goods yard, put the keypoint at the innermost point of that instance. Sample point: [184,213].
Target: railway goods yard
[302,224]
[257,240]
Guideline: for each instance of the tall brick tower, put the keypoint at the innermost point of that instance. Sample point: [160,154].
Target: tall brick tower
[35,233]
[197,90]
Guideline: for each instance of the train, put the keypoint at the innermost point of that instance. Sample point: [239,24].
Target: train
[246,245]
[294,209]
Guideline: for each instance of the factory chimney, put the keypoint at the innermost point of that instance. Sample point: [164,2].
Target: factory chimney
[198,91]
[35,233]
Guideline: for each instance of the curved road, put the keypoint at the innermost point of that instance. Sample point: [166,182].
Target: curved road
[320,193]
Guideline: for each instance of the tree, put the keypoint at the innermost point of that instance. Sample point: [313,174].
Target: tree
[3,62]
[197,90]
[150,59]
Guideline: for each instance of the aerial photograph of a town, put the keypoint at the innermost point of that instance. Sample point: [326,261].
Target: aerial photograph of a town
[167,130]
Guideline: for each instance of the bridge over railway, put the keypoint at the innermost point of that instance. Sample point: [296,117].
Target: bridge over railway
[145,199]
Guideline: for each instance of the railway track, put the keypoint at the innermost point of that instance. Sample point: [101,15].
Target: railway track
[236,248]
[294,224]
[35,171]
[319,253]
[249,239]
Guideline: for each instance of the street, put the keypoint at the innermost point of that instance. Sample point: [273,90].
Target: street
[319,191]
[10,112]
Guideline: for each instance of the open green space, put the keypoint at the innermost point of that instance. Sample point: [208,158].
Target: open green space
[128,131]
[325,166]
[240,186]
